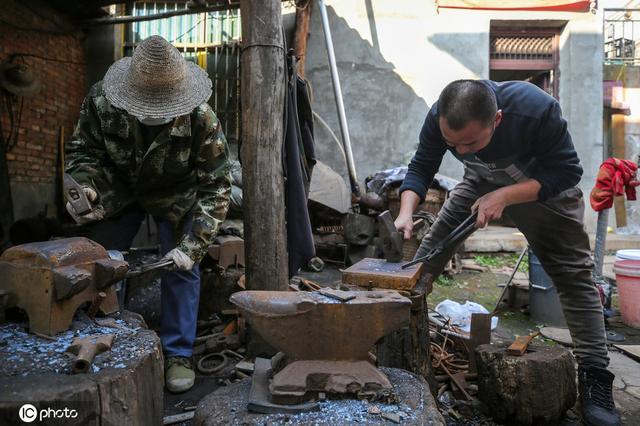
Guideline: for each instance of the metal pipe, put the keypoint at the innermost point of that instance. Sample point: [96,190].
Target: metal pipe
[337,90]
[601,237]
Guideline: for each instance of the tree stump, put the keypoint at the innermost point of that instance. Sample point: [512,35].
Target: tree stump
[125,386]
[408,347]
[536,388]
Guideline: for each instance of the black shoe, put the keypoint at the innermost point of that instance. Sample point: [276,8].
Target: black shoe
[596,396]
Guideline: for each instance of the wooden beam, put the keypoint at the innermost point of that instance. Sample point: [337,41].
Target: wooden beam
[112,20]
[263,97]
[303,17]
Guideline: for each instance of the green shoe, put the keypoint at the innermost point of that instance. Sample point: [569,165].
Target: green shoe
[178,374]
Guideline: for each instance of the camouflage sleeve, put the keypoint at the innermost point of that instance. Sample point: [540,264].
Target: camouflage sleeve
[214,189]
[86,158]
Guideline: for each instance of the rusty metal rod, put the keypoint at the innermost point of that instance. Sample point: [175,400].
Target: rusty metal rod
[95,305]
[457,383]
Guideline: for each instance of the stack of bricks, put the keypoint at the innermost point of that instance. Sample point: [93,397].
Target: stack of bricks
[44,40]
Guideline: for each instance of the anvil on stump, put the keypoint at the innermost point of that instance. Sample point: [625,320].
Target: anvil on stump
[51,279]
[325,341]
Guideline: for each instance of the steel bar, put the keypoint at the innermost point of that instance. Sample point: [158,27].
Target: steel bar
[344,130]
[513,274]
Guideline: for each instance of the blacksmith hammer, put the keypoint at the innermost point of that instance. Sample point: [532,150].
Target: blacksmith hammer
[75,195]
[390,239]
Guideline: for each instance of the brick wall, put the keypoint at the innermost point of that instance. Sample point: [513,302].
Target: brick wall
[58,59]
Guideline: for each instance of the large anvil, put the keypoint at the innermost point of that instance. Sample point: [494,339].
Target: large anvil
[51,279]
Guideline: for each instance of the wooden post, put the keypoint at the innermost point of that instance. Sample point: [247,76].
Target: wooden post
[303,16]
[263,95]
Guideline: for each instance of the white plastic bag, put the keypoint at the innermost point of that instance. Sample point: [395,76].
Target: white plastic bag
[460,315]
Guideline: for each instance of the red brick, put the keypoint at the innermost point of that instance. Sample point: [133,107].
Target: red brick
[34,157]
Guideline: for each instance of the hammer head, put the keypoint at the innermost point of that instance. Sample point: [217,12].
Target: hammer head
[390,239]
[75,195]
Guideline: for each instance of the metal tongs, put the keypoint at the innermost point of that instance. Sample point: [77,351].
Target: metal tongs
[456,236]
[143,269]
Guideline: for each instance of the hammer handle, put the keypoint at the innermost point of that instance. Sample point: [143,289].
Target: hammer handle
[520,345]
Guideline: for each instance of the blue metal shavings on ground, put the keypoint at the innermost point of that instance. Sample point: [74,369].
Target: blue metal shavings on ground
[24,354]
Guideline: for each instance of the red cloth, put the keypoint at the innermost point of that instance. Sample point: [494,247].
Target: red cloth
[616,177]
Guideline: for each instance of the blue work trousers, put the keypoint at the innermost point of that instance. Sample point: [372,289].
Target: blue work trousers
[180,290]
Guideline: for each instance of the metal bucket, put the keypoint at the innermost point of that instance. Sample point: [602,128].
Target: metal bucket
[544,302]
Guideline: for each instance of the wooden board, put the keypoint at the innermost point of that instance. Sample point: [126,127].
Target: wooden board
[379,273]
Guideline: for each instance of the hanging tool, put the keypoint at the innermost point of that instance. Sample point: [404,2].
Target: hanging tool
[457,236]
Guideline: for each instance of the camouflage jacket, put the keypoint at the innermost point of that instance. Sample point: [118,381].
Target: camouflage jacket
[184,170]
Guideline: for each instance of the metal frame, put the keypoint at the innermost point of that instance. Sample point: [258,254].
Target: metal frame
[618,45]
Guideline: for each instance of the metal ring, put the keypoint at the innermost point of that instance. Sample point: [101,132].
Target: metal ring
[211,370]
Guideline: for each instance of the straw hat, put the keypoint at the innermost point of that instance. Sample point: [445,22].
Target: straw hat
[156,82]
[18,79]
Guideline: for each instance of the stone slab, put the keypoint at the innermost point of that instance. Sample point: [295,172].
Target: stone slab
[228,406]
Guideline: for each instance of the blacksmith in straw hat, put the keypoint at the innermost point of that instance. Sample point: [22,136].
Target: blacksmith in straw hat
[148,142]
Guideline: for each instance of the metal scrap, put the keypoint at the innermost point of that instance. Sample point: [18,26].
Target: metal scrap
[86,348]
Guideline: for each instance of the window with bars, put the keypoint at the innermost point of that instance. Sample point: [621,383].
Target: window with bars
[529,54]
[211,40]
